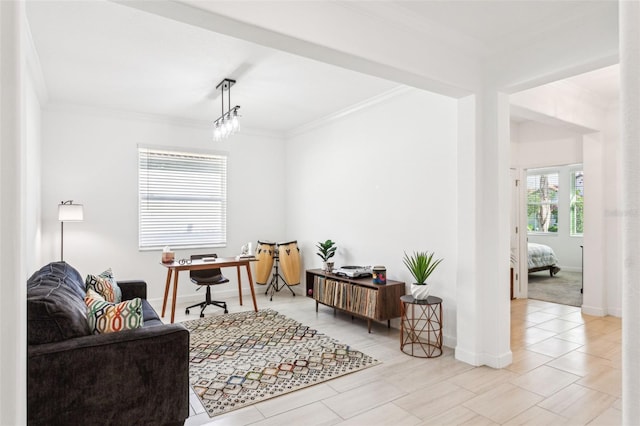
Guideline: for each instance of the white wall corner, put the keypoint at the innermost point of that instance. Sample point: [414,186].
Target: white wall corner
[34,67]
[615,311]
[449,340]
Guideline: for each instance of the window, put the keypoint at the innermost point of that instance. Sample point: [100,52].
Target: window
[182,199]
[542,202]
[577,203]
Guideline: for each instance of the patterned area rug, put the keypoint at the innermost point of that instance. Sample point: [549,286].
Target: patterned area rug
[243,358]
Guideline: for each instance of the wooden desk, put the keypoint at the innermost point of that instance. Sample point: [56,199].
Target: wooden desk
[221,262]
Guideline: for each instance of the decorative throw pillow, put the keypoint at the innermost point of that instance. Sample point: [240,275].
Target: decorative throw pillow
[105,284]
[92,294]
[105,317]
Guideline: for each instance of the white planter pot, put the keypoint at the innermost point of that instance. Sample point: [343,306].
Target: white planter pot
[328,266]
[420,292]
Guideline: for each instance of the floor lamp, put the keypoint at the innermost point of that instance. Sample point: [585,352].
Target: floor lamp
[68,212]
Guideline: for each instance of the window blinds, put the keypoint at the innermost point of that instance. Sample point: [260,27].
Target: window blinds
[182,199]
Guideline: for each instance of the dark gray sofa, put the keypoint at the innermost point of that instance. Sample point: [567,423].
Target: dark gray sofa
[130,377]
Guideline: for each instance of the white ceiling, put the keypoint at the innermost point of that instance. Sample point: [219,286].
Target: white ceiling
[104,54]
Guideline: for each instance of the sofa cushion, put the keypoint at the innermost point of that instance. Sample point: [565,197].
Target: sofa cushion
[55,304]
[105,284]
[105,317]
[150,315]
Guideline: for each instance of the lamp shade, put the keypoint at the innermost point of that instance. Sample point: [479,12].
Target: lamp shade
[70,212]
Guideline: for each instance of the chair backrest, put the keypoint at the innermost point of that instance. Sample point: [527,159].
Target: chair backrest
[206,276]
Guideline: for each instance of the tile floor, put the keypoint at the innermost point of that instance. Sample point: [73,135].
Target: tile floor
[566,370]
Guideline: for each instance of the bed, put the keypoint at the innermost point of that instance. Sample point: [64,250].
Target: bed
[542,258]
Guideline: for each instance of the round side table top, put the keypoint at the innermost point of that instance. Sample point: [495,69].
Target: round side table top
[431,300]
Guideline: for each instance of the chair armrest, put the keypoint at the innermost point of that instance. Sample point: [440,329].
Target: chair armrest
[132,289]
[112,378]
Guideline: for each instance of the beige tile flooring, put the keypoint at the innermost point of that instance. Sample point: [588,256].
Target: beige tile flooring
[566,370]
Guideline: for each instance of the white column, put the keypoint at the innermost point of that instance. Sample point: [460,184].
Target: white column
[594,301]
[468,328]
[630,113]
[483,297]
[12,315]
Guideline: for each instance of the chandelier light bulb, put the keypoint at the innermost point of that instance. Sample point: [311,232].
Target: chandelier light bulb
[227,124]
[234,121]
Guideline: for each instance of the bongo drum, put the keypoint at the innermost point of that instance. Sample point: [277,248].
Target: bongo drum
[289,256]
[265,252]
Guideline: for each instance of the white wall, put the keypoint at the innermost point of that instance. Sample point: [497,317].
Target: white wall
[380,182]
[33,223]
[90,156]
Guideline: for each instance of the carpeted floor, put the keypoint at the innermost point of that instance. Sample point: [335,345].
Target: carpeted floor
[243,358]
[563,288]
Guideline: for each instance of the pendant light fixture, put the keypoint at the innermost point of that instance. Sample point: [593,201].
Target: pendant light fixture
[227,124]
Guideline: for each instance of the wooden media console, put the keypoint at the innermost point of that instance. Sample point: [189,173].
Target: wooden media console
[357,296]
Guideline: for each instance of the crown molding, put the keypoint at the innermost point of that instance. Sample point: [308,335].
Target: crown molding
[367,103]
[124,114]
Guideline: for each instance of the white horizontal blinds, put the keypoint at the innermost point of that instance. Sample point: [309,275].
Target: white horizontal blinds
[183,199]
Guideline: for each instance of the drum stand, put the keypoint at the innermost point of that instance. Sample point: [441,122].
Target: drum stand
[275,284]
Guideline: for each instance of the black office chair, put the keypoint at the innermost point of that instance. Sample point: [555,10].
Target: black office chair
[207,277]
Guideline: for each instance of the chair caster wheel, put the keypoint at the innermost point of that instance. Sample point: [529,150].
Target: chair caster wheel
[186,311]
[201,315]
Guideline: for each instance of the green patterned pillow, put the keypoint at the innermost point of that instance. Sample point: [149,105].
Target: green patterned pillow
[105,284]
[105,317]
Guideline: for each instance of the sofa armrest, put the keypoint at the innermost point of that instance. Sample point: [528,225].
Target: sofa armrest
[136,376]
[132,289]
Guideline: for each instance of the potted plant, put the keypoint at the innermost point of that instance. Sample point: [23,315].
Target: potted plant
[421,265]
[326,251]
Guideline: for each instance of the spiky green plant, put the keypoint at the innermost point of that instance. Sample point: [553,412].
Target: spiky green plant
[326,250]
[421,264]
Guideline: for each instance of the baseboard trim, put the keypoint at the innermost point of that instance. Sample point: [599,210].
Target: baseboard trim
[616,312]
[230,293]
[471,358]
[594,311]
[478,359]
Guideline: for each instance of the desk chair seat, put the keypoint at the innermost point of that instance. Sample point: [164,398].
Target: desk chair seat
[207,277]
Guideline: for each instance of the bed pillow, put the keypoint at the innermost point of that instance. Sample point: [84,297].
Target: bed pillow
[105,317]
[105,284]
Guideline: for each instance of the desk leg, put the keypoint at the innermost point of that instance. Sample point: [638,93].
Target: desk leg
[175,295]
[166,291]
[253,292]
[239,285]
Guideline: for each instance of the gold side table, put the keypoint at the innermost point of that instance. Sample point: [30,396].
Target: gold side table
[421,326]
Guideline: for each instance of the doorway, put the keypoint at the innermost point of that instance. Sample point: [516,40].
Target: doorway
[551,212]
